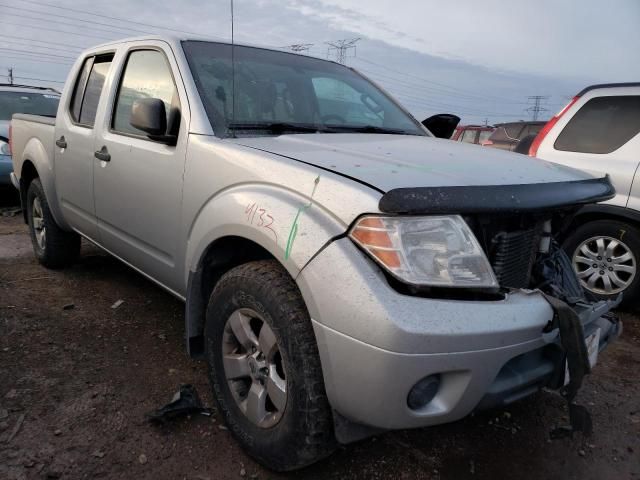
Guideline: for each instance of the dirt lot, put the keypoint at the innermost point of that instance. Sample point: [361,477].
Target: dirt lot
[75,384]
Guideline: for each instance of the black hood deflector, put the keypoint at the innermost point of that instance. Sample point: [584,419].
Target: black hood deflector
[496,198]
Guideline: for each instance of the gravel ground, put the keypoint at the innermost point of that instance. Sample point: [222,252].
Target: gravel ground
[77,377]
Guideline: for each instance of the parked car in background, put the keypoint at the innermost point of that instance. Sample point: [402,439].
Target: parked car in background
[475,134]
[344,272]
[21,99]
[599,132]
[507,135]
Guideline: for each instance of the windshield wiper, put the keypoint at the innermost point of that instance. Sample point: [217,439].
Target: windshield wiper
[369,129]
[277,127]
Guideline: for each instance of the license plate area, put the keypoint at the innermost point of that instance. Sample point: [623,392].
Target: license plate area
[592,342]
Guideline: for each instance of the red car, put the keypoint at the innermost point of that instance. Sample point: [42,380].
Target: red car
[472,133]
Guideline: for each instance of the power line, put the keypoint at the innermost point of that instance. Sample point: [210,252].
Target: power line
[49,14]
[37,27]
[537,107]
[298,47]
[442,85]
[36,60]
[27,52]
[162,27]
[40,79]
[40,41]
[341,48]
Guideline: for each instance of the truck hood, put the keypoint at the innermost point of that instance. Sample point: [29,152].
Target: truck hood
[386,162]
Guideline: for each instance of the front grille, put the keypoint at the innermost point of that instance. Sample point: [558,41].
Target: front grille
[512,257]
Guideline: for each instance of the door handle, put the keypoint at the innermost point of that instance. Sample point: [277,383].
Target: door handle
[103,154]
[61,142]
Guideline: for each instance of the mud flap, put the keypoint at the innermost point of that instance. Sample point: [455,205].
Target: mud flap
[573,343]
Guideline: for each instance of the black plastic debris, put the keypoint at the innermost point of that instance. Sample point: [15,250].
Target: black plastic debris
[185,402]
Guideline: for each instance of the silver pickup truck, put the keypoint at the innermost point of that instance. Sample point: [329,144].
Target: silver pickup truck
[345,272]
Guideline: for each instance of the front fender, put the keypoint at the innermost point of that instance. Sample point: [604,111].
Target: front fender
[290,226]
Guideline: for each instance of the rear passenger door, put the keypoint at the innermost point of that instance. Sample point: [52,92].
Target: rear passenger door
[75,138]
[138,191]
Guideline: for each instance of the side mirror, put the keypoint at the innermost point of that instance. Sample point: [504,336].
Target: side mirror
[150,116]
[442,125]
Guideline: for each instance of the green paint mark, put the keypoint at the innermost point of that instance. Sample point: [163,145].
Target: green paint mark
[294,226]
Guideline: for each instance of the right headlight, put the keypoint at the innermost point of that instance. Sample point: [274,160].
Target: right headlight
[438,251]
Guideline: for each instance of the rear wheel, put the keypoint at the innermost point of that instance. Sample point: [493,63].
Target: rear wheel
[265,369]
[605,255]
[53,247]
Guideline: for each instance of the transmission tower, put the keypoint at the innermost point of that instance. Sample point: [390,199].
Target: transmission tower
[299,47]
[341,47]
[537,107]
[10,76]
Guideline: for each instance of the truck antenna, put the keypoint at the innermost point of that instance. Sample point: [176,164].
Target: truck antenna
[233,73]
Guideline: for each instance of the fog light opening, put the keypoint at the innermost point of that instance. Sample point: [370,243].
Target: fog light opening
[423,392]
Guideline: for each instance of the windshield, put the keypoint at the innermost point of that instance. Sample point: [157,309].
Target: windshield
[35,103]
[278,92]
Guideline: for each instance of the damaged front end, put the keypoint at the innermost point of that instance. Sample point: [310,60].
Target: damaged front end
[517,226]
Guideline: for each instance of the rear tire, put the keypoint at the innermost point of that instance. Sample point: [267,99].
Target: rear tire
[294,426]
[53,247]
[620,243]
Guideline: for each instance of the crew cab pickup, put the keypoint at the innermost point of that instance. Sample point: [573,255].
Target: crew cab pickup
[344,271]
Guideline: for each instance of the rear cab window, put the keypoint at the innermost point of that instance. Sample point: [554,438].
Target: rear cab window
[602,125]
[88,88]
[35,103]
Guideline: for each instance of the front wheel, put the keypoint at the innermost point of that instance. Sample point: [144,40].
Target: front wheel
[265,369]
[605,255]
[53,247]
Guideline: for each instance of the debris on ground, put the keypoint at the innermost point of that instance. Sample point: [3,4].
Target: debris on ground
[16,428]
[68,306]
[186,401]
[142,459]
[10,212]
[117,304]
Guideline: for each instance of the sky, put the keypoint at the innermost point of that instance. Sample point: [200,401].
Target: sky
[478,59]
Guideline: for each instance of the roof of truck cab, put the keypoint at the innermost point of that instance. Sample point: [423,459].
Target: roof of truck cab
[608,85]
[175,40]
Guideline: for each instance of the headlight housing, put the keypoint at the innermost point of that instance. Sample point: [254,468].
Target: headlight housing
[4,148]
[437,251]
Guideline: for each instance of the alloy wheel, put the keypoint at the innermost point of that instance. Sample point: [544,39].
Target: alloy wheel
[38,223]
[253,367]
[604,265]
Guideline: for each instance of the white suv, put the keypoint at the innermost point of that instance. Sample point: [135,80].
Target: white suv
[598,131]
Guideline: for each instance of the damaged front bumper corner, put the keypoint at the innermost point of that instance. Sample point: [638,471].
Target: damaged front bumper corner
[546,367]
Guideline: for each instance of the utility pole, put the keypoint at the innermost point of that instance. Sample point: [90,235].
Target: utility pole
[341,47]
[10,76]
[537,107]
[299,47]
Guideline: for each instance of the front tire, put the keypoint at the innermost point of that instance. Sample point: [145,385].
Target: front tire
[53,247]
[265,368]
[605,255]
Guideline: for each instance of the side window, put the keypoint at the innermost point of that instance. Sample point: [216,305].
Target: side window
[513,130]
[484,135]
[78,92]
[602,125]
[469,136]
[93,89]
[147,75]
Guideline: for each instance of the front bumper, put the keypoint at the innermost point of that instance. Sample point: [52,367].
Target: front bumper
[376,343]
[6,168]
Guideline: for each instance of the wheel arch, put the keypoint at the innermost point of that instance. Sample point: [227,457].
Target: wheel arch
[590,213]
[27,174]
[219,257]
